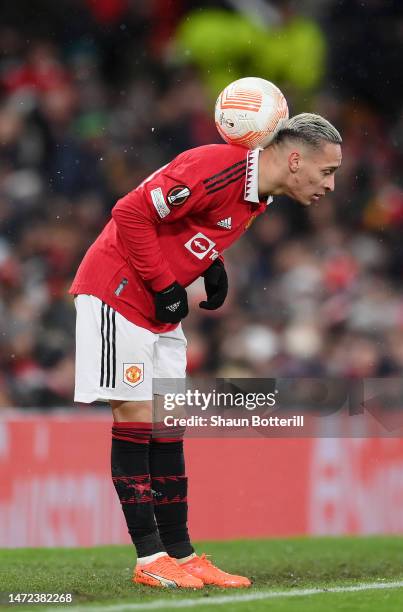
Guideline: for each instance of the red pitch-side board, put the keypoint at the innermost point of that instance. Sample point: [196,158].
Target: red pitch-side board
[55,486]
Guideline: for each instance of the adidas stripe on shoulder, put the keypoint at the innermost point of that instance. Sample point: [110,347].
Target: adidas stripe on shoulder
[225,177]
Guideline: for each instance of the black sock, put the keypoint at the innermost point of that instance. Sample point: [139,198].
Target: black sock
[131,477]
[169,484]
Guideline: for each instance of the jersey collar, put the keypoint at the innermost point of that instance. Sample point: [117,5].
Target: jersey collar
[251,177]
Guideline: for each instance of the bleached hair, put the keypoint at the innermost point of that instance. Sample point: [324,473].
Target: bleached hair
[309,128]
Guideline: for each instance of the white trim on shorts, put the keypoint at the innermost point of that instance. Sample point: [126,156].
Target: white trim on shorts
[118,360]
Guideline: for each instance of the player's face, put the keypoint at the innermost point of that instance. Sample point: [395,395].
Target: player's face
[312,172]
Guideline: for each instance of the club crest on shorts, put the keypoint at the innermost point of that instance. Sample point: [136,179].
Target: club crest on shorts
[178,195]
[133,374]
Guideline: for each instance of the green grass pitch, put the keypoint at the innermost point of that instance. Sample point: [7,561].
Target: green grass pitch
[99,578]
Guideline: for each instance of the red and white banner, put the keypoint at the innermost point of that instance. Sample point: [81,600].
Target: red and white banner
[56,490]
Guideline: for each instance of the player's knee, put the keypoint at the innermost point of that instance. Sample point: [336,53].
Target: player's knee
[131,411]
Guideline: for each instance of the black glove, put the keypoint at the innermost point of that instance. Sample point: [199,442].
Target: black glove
[216,285]
[171,304]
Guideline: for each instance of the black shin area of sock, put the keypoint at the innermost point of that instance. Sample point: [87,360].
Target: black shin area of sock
[131,477]
[169,485]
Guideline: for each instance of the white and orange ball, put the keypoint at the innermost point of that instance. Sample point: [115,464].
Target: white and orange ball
[250,111]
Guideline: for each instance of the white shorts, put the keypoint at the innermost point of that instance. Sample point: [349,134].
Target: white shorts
[117,360]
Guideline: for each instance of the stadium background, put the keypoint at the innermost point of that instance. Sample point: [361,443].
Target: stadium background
[96,94]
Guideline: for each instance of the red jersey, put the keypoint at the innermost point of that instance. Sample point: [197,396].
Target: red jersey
[170,228]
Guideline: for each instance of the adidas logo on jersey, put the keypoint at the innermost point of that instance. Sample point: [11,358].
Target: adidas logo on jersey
[225,223]
[173,307]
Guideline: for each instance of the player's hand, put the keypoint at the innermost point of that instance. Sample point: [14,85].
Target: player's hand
[171,304]
[216,285]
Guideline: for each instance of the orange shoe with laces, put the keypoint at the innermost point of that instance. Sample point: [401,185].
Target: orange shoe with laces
[166,572]
[201,567]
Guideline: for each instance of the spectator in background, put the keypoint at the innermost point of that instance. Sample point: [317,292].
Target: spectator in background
[93,98]
[273,42]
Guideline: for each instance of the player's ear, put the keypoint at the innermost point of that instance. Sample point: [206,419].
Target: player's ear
[294,161]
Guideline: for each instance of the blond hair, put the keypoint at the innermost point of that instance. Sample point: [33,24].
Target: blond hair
[309,128]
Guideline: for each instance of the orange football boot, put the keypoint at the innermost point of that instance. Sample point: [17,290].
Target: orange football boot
[201,567]
[166,572]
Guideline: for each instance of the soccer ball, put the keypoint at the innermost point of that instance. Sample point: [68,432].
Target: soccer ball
[249,112]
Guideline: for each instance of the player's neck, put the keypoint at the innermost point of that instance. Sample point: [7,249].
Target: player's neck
[271,172]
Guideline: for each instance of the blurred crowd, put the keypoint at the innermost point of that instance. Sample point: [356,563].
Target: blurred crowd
[96,94]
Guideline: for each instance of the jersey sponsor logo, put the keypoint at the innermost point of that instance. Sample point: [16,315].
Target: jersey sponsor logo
[133,374]
[199,245]
[178,195]
[159,202]
[225,223]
